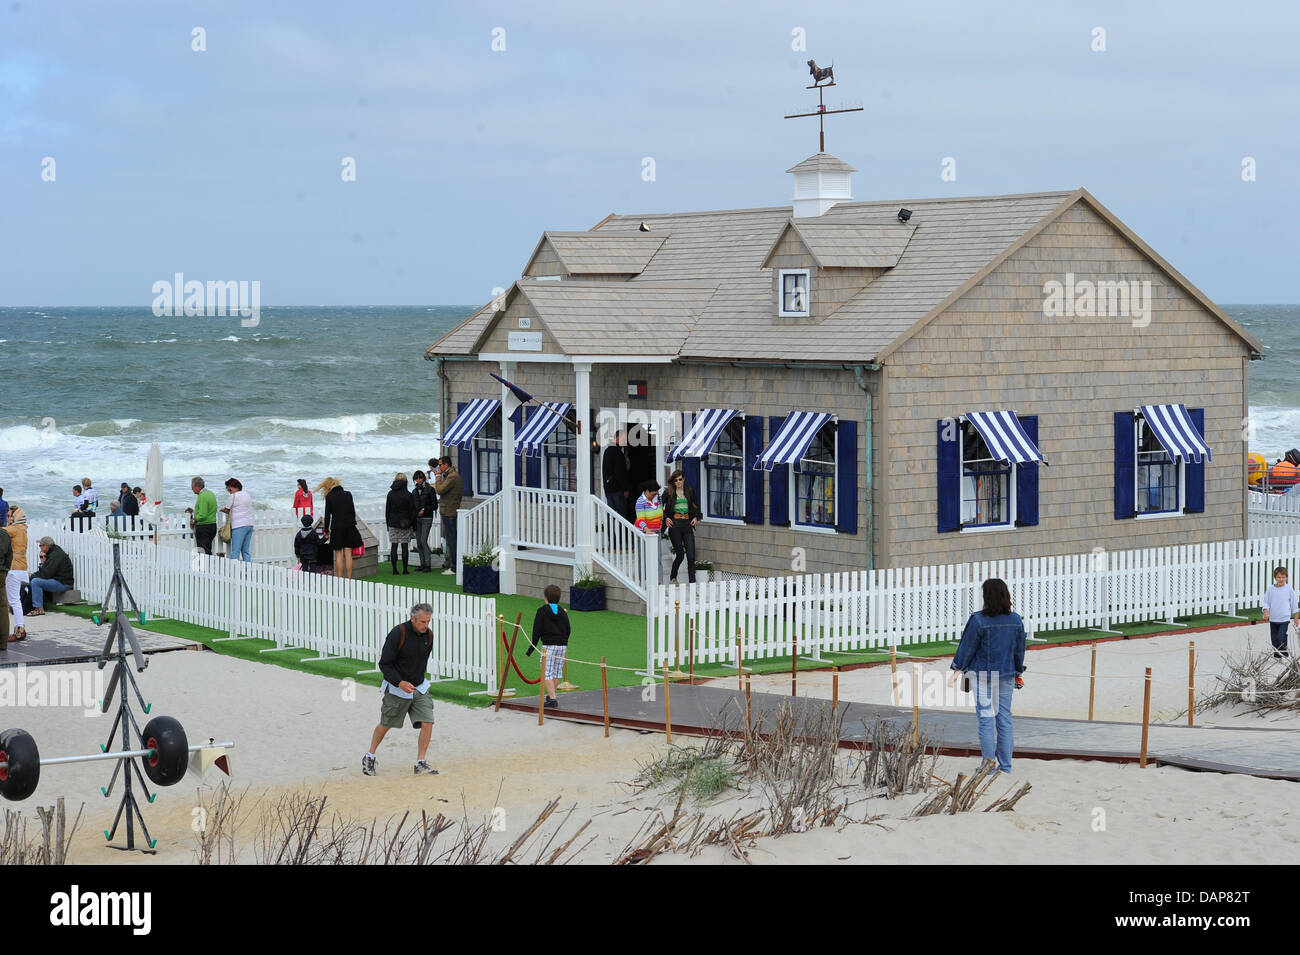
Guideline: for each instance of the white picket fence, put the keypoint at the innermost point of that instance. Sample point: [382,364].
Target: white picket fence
[332,616]
[1273,515]
[871,610]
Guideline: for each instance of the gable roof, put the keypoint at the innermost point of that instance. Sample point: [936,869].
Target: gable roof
[594,253]
[725,309]
[849,244]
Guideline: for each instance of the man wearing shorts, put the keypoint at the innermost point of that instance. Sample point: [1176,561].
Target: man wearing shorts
[403,662]
[551,630]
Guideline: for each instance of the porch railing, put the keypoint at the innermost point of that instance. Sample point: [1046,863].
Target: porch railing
[627,554]
[544,518]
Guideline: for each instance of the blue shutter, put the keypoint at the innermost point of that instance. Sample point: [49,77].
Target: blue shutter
[1195,473]
[1027,479]
[691,468]
[753,479]
[1125,465]
[949,474]
[464,460]
[779,498]
[846,485]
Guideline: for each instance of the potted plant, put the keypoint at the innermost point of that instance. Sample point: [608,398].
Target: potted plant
[588,593]
[702,570]
[481,574]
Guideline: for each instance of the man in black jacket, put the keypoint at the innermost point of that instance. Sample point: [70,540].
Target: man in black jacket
[403,662]
[426,507]
[54,576]
[616,474]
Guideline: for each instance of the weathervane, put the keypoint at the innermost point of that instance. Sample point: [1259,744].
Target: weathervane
[819,74]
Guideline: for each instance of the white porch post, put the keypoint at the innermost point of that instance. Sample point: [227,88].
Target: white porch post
[508,520]
[583,527]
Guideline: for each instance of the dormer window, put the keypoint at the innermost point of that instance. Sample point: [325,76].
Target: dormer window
[794,293]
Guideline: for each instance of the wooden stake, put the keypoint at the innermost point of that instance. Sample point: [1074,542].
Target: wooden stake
[668,706]
[604,695]
[1146,719]
[510,652]
[541,690]
[1191,683]
[835,689]
[748,719]
[794,667]
[1092,682]
[916,705]
[893,671]
[565,686]
[691,629]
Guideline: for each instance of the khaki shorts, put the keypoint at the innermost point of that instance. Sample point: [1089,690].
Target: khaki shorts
[392,708]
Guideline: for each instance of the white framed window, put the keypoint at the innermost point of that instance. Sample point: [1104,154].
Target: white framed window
[560,459]
[794,293]
[812,482]
[724,474]
[487,457]
[1159,485]
[988,486]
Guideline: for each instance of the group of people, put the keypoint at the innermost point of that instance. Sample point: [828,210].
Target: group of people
[22,594]
[409,513]
[673,510]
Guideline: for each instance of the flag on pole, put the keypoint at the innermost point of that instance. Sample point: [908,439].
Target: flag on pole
[520,396]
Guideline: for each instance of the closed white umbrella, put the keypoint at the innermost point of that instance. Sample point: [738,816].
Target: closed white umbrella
[153,477]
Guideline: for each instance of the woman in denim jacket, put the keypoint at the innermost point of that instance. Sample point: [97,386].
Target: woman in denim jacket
[993,646]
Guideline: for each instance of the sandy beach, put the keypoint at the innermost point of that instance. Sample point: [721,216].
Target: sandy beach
[296,731]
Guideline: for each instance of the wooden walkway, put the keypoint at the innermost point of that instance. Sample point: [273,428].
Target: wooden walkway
[698,710]
[60,638]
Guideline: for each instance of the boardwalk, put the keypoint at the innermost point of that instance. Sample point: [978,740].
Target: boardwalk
[58,638]
[1273,753]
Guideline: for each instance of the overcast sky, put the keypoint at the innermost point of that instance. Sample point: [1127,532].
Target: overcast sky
[226,163]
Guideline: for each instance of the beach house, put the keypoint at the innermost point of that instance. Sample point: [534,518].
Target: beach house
[850,385]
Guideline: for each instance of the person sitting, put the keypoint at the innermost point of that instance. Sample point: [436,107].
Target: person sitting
[306,542]
[79,503]
[53,576]
[89,496]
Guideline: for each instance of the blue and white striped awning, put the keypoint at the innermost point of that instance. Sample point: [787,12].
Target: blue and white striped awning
[703,433]
[469,422]
[1005,436]
[541,425]
[791,443]
[1175,431]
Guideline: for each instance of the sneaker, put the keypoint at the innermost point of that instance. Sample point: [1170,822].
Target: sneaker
[449,573]
[368,765]
[552,703]
[424,769]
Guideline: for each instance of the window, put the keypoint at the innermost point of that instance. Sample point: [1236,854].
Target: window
[1158,475]
[813,487]
[794,292]
[987,485]
[487,458]
[724,473]
[560,459]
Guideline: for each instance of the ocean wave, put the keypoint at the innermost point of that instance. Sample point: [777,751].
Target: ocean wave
[24,437]
[230,338]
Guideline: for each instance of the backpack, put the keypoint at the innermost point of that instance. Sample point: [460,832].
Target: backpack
[25,598]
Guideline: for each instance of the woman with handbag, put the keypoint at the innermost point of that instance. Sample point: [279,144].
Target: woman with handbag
[239,521]
[993,646]
[399,515]
[340,524]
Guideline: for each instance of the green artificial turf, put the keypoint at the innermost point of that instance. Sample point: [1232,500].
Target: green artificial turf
[619,637]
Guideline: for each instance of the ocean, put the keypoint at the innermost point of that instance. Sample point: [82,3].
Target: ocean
[309,392]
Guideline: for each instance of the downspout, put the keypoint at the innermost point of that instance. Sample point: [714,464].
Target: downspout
[860,373]
[444,387]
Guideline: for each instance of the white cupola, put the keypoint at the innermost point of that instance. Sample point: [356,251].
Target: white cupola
[820,181]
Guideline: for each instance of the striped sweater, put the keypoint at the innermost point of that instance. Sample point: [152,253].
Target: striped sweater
[649,516]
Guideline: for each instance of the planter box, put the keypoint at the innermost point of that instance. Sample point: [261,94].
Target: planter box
[702,576]
[586,599]
[481,580]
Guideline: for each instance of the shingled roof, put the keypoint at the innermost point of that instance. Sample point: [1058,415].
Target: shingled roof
[726,311]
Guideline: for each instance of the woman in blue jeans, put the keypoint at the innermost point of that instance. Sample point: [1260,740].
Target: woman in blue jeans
[239,511]
[993,647]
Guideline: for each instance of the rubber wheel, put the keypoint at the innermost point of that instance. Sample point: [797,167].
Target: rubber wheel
[19,778]
[164,735]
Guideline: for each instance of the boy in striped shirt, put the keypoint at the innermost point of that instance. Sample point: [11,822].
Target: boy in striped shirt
[650,509]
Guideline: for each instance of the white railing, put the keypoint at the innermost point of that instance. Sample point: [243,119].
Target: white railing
[476,527]
[1273,515]
[627,554]
[865,610]
[333,616]
[544,518]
